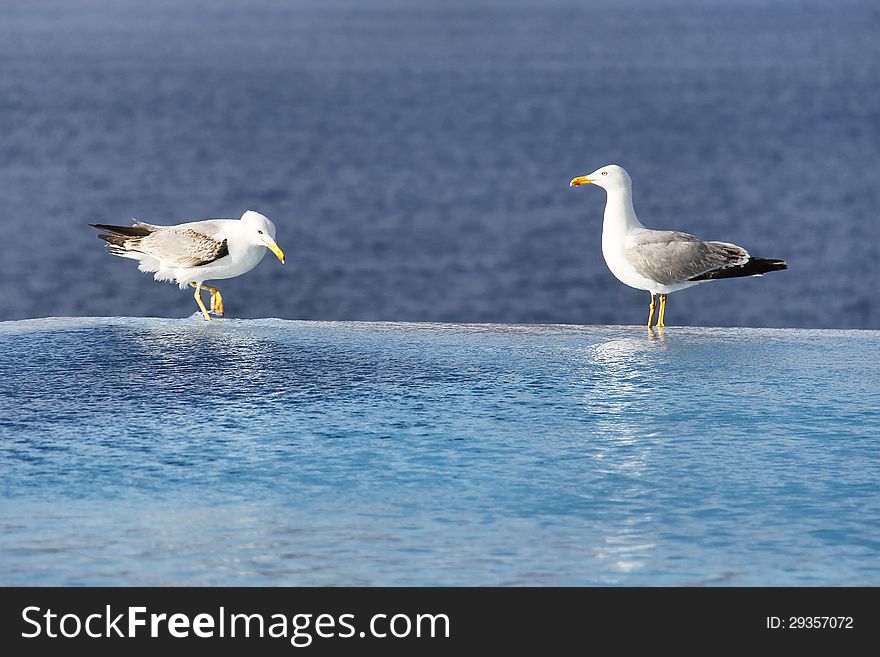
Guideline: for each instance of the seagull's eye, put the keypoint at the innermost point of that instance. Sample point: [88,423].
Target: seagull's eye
[604,173]
[260,232]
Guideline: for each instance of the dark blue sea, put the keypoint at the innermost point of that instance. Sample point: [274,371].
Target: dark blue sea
[415,154]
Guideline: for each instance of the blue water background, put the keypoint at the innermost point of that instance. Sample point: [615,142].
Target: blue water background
[268,452]
[415,155]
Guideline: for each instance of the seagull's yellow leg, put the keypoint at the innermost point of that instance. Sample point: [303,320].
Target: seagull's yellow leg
[198,296]
[651,311]
[216,299]
[660,323]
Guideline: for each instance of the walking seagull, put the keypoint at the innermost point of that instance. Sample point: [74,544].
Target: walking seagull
[194,252]
[661,261]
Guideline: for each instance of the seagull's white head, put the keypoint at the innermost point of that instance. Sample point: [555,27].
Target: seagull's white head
[610,177]
[261,231]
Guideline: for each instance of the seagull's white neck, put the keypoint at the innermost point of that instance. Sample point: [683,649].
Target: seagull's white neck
[620,216]
[620,219]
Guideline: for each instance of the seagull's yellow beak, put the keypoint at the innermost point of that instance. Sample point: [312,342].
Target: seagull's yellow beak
[274,248]
[580,180]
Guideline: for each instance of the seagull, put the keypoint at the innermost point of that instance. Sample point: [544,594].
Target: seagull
[194,252]
[662,261]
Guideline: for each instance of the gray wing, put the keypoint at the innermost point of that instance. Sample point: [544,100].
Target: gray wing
[668,256]
[182,247]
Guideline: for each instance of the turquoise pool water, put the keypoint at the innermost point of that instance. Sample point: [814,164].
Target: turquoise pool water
[270,452]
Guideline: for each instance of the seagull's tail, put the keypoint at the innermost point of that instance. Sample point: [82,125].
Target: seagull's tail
[123,240]
[753,267]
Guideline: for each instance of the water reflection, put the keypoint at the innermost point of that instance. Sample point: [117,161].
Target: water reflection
[622,376]
[619,381]
[268,364]
[189,364]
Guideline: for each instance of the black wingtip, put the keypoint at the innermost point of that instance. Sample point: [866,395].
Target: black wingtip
[115,240]
[127,231]
[754,267]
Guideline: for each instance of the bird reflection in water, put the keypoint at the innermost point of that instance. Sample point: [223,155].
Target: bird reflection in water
[620,379]
[657,334]
[200,359]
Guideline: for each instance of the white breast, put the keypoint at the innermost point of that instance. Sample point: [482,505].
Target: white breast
[615,257]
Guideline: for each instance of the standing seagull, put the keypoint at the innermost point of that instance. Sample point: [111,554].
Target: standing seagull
[192,253]
[661,261]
